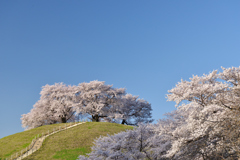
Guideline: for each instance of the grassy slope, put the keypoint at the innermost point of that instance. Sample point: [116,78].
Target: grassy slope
[73,142]
[16,142]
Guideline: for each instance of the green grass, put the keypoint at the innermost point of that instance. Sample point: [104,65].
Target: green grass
[69,144]
[15,143]
[70,153]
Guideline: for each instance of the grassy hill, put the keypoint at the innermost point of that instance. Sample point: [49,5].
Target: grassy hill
[68,144]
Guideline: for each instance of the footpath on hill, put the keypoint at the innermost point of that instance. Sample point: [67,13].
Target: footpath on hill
[38,143]
[69,144]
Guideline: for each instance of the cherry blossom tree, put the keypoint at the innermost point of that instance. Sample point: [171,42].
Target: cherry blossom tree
[111,104]
[59,98]
[133,145]
[133,110]
[36,117]
[212,128]
[96,99]
[55,106]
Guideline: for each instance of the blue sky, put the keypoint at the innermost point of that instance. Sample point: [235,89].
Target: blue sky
[144,46]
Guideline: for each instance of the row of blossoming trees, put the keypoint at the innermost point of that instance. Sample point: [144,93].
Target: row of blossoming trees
[60,103]
[205,125]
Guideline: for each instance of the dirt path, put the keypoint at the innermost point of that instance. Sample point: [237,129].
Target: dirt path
[38,143]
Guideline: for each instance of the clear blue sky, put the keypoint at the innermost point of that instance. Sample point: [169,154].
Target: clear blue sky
[144,46]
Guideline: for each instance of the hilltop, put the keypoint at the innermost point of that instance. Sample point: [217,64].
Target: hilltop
[68,144]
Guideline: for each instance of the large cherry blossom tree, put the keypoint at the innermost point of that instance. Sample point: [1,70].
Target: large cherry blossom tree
[55,106]
[103,102]
[96,99]
[212,127]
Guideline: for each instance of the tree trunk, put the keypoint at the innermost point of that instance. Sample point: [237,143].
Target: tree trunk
[95,118]
[63,120]
[123,121]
